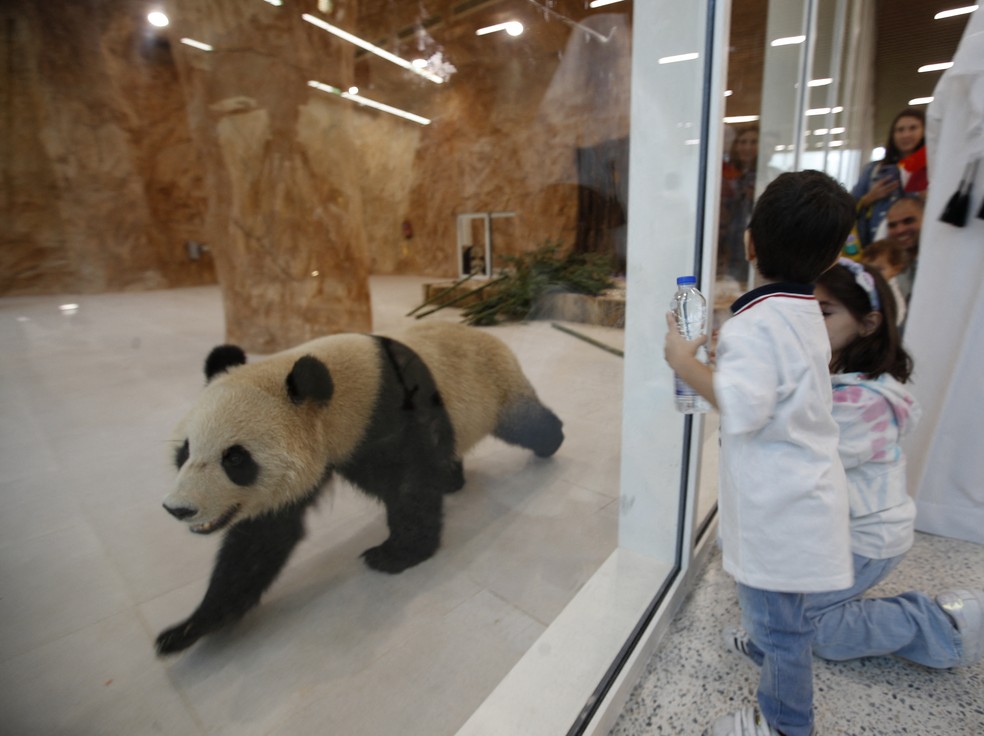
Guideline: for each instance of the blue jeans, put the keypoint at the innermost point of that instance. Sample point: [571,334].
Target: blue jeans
[911,625]
[782,644]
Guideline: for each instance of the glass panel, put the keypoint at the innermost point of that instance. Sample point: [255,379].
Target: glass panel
[331,161]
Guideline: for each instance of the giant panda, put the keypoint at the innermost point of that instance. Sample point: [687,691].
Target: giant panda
[392,416]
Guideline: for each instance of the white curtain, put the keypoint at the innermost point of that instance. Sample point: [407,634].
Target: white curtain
[945,333]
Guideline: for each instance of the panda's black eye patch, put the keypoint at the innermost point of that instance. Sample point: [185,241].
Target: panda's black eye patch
[181,455]
[240,466]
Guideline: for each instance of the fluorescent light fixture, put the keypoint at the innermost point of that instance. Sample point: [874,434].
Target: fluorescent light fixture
[836,131]
[158,19]
[512,27]
[602,3]
[679,57]
[728,92]
[196,44]
[353,90]
[820,82]
[956,11]
[419,63]
[741,119]
[371,48]
[369,103]
[834,144]
[69,308]
[935,67]
[920,100]
[278,3]
[788,41]
[821,131]
[823,110]
[780,147]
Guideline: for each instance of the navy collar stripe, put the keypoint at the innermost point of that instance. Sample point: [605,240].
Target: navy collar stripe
[785,289]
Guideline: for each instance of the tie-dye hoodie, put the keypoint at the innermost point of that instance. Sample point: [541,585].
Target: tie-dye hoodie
[873,415]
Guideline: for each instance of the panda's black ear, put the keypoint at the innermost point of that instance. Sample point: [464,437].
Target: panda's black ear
[222,359]
[309,380]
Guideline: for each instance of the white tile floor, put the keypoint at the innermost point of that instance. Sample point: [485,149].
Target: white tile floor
[91,567]
[692,678]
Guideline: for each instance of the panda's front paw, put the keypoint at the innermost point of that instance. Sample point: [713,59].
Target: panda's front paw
[177,638]
[389,558]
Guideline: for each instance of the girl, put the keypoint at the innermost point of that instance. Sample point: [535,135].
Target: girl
[874,410]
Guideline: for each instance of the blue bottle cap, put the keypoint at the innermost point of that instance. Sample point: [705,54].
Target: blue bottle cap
[686,280]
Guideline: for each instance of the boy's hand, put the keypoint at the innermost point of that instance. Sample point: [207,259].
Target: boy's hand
[677,350]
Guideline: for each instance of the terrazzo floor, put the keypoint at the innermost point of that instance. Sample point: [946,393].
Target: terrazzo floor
[692,678]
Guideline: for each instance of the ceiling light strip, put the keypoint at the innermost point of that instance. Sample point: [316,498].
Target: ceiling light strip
[369,103]
[920,100]
[679,57]
[956,11]
[788,41]
[741,119]
[602,3]
[371,48]
[935,67]
[196,44]
[820,82]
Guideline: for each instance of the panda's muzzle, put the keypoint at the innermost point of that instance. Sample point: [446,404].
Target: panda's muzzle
[181,513]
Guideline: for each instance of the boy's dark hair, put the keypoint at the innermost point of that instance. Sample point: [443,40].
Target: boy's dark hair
[881,351]
[799,225]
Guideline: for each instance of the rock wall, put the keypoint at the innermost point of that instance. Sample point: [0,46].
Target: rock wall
[126,144]
[101,184]
[284,210]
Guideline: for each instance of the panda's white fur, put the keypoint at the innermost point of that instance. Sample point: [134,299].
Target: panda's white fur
[476,373]
[392,415]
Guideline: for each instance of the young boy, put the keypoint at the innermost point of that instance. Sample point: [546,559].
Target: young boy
[782,498]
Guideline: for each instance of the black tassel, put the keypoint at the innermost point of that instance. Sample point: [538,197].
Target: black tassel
[956,210]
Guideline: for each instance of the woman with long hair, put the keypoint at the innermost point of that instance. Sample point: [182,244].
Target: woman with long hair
[901,171]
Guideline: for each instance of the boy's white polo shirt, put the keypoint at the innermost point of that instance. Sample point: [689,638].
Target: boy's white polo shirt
[783,504]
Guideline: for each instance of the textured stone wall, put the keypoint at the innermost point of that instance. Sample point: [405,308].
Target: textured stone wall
[126,143]
[284,208]
[101,183]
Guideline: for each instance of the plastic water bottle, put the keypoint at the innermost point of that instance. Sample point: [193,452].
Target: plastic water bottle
[690,309]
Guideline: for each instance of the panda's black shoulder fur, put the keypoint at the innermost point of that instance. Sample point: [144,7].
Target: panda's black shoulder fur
[409,427]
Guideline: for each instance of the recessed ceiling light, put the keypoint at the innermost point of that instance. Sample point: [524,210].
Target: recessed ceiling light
[956,11]
[728,93]
[157,19]
[935,67]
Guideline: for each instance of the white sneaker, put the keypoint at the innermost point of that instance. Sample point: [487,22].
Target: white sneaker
[745,722]
[966,609]
[736,640]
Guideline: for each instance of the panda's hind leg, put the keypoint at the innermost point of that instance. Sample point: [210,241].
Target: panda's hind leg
[528,423]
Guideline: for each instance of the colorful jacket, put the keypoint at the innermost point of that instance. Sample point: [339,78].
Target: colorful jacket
[873,415]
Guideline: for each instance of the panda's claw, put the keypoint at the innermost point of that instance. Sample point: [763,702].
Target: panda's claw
[388,558]
[177,638]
